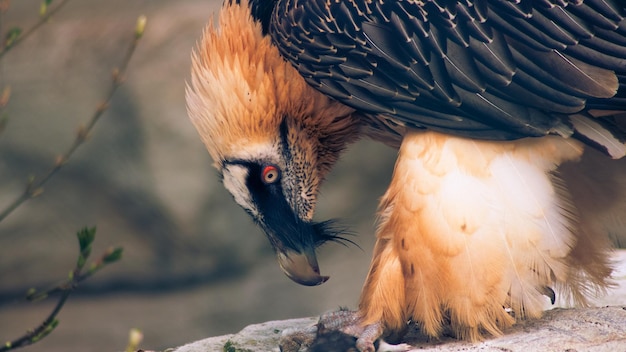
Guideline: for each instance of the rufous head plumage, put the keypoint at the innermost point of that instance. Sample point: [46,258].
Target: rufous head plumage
[254,112]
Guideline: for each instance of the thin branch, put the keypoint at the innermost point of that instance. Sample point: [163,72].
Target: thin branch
[6,90]
[27,33]
[77,276]
[65,288]
[35,186]
[42,330]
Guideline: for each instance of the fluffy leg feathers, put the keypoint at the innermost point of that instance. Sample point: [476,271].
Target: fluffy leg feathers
[469,228]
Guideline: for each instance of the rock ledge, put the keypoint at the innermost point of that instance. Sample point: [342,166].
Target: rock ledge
[563,330]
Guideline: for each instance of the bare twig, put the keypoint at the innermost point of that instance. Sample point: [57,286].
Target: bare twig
[27,33]
[85,239]
[35,185]
[5,95]
[6,90]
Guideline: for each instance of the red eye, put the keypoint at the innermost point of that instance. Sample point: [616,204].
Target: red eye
[270,174]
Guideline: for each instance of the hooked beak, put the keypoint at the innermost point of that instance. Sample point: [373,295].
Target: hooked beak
[301,267]
[294,243]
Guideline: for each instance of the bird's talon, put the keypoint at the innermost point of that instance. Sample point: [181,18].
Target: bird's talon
[338,320]
[365,346]
[349,323]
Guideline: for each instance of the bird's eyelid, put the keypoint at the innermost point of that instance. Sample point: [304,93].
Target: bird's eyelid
[270,174]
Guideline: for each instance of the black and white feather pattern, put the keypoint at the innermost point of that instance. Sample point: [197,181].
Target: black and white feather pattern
[489,69]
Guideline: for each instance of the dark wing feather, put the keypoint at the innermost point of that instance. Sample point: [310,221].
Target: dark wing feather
[492,69]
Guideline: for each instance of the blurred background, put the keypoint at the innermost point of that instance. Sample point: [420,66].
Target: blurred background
[194,265]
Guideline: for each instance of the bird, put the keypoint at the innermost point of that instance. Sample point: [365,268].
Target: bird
[484,100]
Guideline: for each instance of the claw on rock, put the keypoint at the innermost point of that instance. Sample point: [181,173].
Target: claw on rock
[349,322]
[337,331]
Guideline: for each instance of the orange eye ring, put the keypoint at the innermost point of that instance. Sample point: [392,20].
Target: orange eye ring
[270,174]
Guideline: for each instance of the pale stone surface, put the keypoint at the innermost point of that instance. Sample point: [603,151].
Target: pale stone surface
[588,329]
[257,337]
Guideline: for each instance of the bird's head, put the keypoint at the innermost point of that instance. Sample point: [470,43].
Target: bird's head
[272,137]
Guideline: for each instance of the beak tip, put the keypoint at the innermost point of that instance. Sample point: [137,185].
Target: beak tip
[302,268]
[311,281]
